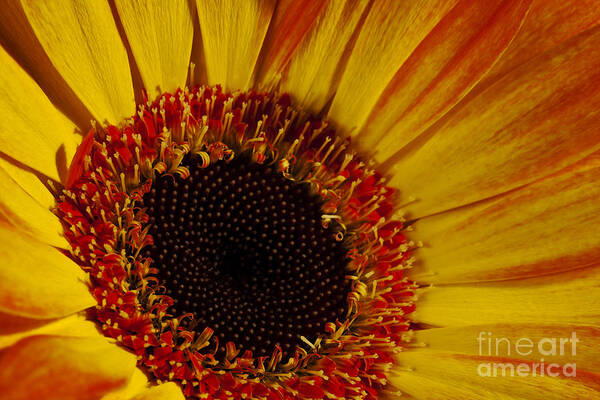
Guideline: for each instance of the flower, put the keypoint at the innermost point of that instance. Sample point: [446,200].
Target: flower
[481,116]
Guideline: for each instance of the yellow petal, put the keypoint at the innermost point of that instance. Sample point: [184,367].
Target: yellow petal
[291,22]
[312,74]
[390,33]
[32,131]
[441,71]
[19,40]
[579,343]
[537,119]
[15,328]
[455,376]
[546,227]
[565,298]
[166,391]
[137,389]
[25,212]
[38,281]
[138,383]
[232,35]
[29,182]
[81,39]
[52,367]
[160,34]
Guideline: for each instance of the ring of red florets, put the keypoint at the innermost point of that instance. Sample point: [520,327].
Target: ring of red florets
[106,225]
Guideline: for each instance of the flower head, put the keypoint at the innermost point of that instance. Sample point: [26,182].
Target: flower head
[298,200]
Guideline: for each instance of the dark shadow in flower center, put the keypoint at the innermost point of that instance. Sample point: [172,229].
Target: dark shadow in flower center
[244,250]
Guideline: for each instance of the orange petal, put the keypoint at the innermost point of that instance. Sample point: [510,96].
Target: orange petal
[442,70]
[456,376]
[548,23]
[52,367]
[546,227]
[38,281]
[10,324]
[291,21]
[537,119]
[566,298]
[390,33]
[82,41]
[14,328]
[232,36]
[579,344]
[160,35]
[313,71]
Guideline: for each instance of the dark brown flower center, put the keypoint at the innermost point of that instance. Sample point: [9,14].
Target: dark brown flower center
[244,249]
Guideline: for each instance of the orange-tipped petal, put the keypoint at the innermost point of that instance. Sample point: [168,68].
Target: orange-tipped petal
[160,34]
[546,227]
[38,281]
[566,298]
[291,22]
[390,33]
[52,367]
[537,119]
[313,71]
[441,71]
[82,41]
[232,37]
